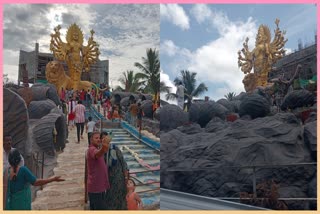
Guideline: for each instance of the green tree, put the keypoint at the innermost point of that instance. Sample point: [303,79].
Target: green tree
[164,88]
[189,81]
[150,71]
[230,96]
[130,81]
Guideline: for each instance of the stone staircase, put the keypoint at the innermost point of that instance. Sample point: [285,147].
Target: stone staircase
[69,194]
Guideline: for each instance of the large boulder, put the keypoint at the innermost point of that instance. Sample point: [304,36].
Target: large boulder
[50,132]
[157,114]
[236,105]
[254,105]
[216,124]
[190,128]
[240,96]
[145,96]
[310,137]
[125,102]
[163,103]
[38,109]
[146,106]
[312,117]
[274,140]
[45,91]
[171,116]
[297,98]
[117,96]
[203,112]
[15,120]
[227,104]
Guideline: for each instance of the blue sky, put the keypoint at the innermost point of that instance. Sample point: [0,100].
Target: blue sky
[205,38]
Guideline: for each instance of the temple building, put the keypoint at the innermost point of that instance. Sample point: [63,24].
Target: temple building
[35,63]
[286,66]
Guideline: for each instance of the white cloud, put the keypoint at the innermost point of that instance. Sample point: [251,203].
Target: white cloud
[169,48]
[288,51]
[12,71]
[217,61]
[166,79]
[175,14]
[201,12]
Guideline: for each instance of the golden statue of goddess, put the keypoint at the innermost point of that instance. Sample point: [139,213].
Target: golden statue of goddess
[262,57]
[78,57]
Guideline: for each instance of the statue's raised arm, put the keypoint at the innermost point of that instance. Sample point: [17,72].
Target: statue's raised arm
[276,46]
[90,52]
[58,47]
[245,62]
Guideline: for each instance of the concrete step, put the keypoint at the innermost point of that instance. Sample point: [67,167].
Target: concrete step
[49,203]
[125,142]
[143,157]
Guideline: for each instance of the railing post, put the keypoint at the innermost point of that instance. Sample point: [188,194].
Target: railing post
[140,124]
[42,168]
[254,182]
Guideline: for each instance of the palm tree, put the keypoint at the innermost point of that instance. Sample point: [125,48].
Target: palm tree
[164,88]
[150,68]
[230,96]
[189,81]
[131,82]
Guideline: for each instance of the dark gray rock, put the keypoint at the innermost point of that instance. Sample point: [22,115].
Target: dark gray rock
[310,137]
[163,103]
[293,192]
[254,105]
[297,98]
[124,102]
[312,117]
[38,109]
[15,120]
[236,105]
[45,91]
[215,125]
[145,97]
[190,128]
[273,110]
[171,116]
[246,117]
[117,96]
[272,140]
[203,112]
[312,187]
[157,114]
[227,104]
[146,106]
[240,96]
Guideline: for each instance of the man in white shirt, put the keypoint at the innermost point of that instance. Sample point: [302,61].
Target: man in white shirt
[7,141]
[180,94]
[90,128]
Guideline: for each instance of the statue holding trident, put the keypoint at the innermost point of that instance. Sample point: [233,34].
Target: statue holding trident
[77,56]
[262,57]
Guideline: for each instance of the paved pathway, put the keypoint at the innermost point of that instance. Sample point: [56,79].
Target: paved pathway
[67,195]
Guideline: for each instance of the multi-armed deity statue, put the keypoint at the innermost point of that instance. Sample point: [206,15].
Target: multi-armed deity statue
[262,57]
[78,58]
